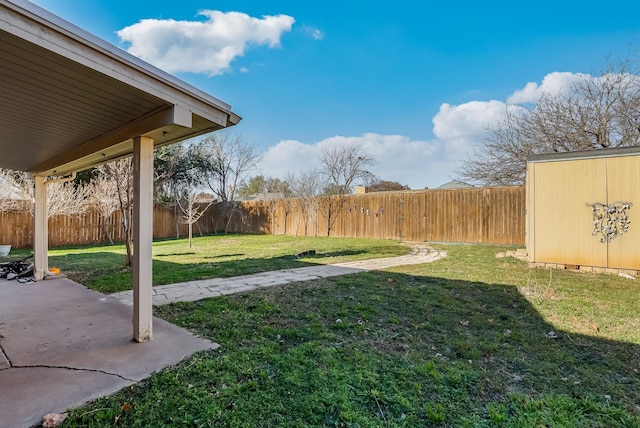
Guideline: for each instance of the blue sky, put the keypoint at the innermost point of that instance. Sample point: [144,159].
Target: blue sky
[415,83]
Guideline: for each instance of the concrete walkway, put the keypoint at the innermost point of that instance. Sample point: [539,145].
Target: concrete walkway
[197,290]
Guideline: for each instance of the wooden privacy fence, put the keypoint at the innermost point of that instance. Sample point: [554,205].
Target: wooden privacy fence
[483,215]
[16,227]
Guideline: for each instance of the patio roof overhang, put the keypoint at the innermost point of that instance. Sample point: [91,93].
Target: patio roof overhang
[70,100]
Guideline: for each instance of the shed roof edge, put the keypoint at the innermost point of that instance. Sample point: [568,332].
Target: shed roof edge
[584,154]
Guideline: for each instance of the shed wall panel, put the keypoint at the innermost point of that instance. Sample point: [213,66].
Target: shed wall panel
[623,185]
[591,187]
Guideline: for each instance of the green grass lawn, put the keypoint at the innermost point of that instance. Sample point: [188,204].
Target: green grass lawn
[467,341]
[102,268]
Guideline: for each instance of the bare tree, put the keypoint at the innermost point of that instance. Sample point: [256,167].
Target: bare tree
[297,207]
[306,187]
[170,165]
[187,185]
[594,113]
[16,191]
[227,159]
[104,199]
[284,188]
[63,198]
[120,174]
[192,210]
[502,160]
[341,167]
[272,205]
[70,199]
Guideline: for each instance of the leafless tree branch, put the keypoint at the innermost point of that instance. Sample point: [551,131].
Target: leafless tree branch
[594,113]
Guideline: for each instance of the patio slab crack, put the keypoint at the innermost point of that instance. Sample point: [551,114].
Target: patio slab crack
[45,366]
[5,362]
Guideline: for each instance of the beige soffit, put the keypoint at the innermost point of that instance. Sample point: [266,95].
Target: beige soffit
[70,100]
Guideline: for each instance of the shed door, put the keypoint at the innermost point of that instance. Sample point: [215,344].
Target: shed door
[562,223]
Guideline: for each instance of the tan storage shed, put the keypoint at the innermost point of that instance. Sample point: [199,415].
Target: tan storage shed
[583,210]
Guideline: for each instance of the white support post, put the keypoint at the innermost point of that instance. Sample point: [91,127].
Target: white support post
[40,229]
[142,238]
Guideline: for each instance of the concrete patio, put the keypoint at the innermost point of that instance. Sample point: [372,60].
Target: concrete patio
[64,345]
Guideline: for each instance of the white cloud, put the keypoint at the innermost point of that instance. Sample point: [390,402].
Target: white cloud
[552,84]
[312,32]
[461,127]
[459,121]
[206,46]
[398,158]
[289,156]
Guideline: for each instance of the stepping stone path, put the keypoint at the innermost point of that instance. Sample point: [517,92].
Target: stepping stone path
[196,290]
[520,253]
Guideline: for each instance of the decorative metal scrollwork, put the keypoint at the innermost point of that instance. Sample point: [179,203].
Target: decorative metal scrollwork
[611,220]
